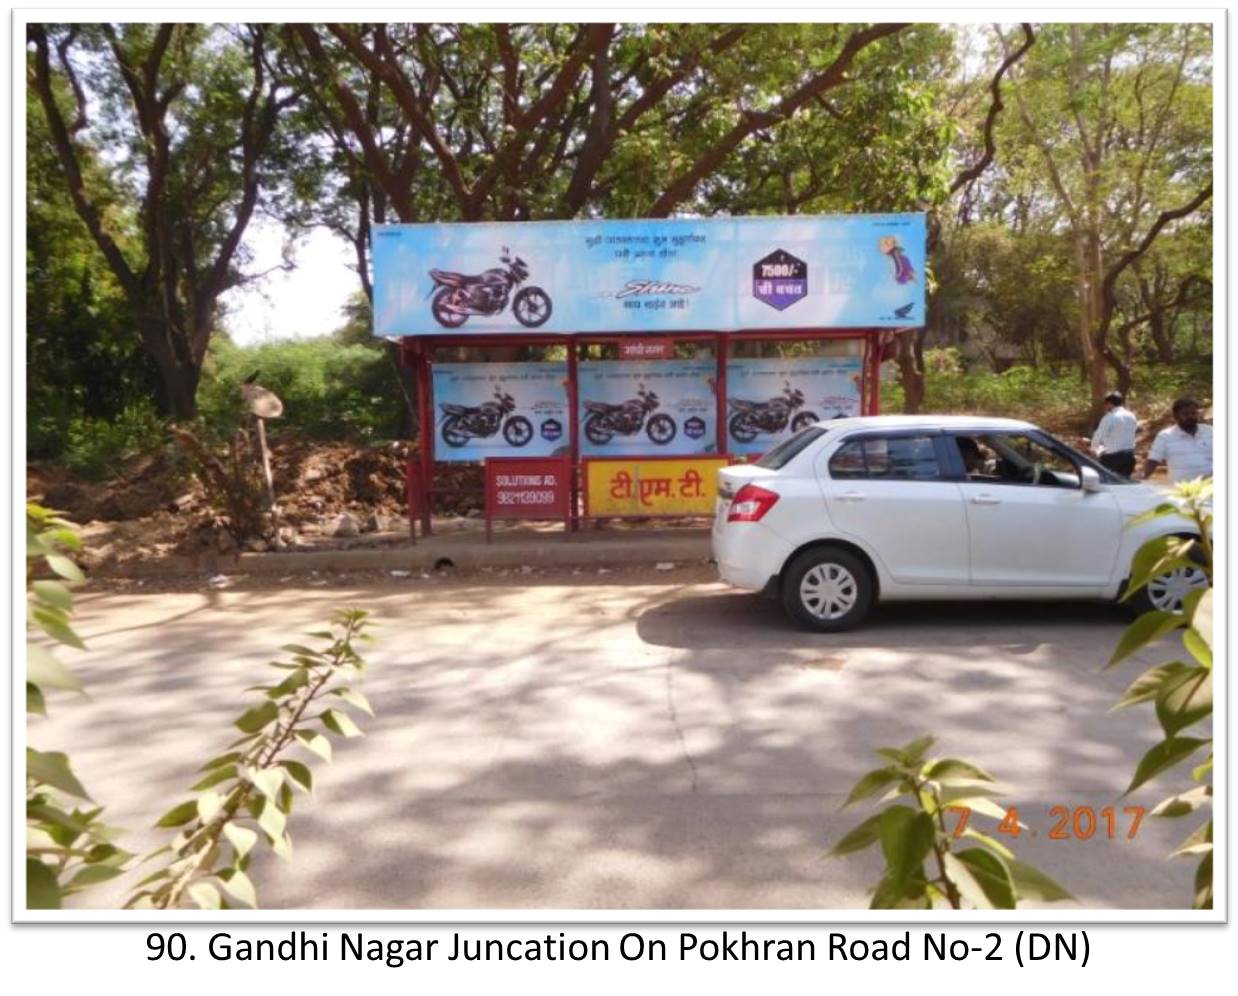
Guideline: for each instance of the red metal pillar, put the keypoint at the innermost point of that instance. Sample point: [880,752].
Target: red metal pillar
[721,350]
[573,425]
[410,462]
[426,426]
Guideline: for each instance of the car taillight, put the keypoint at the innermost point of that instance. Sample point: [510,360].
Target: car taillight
[750,504]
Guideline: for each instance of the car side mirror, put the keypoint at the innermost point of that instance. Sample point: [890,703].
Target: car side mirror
[1089,480]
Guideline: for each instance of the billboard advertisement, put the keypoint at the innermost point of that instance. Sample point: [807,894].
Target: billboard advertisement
[655,407]
[500,409]
[768,400]
[652,486]
[650,275]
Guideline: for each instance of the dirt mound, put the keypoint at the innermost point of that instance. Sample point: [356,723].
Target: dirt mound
[144,486]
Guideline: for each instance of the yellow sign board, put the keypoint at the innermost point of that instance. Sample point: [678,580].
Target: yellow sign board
[635,487]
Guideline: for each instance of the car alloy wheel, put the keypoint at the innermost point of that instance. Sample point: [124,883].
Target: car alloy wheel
[1167,592]
[829,591]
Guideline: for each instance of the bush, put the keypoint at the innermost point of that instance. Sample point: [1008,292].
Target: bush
[94,448]
[329,390]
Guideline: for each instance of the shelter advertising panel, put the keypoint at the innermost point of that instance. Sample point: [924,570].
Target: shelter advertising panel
[768,400]
[650,275]
[659,407]
[651,486]
[500,409]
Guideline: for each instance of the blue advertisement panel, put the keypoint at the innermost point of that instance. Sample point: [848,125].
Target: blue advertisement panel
[651,408]
[651,275]
[500,409]
[768,400]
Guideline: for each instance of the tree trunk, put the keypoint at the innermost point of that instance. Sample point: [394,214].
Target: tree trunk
[910,361]
[179,372]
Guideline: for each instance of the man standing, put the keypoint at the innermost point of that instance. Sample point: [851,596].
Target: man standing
[1114,441]
[1186,446]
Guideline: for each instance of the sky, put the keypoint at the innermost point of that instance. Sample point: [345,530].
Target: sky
[298,304]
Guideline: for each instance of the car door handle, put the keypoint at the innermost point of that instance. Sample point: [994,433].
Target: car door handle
[985,500]
[851,496]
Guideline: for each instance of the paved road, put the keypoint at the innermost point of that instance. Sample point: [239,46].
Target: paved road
[594,741]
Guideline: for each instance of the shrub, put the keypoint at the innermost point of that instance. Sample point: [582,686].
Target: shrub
[95,448]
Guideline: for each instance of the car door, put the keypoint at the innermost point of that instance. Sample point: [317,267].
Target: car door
[1029,520]
[890,493]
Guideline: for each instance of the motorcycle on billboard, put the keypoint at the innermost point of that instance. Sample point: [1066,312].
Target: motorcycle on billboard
[500,409]
[457,295]
[648,407]
[769,400]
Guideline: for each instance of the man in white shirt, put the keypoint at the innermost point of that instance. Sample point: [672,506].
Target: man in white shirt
[1113,443]
[1186,447]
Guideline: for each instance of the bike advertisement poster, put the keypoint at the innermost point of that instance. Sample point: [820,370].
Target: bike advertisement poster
[769,400]
[656,407]
[500,409]
[650,275]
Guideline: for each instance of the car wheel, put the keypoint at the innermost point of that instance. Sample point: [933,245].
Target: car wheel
[1167,592]
[827,589]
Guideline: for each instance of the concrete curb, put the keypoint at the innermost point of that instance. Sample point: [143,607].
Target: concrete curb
[465,552]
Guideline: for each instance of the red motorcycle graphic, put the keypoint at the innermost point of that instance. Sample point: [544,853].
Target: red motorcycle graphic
[605,421]
[751,418]
[457,295]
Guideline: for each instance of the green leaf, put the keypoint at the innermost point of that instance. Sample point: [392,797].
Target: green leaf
[94,875]
[1199,842]
[204,894]
[297,679]
[340,723]
[858,838]
[981,804]
[949,770]
[253,720]
[906,839]
[52,768]
[1201,618]
[1148,684]
[991,843]
[1162,757]
[871,783]
[1202,771]
[46,671]
[1034,885]
[296,648]
[42,889]
[241,838]
[214,777]
[1184,700]
[1183,803]
[282,846]
[910,895]
[315,742]
[1147,628]
[222,759]
[178,816]
[982,878]
[1203,884]
[34,700]
[237,884]
[1197,647]
[63,566]
[355,698]
[300,774]
[54,593]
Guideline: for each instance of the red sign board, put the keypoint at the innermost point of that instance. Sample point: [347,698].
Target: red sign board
[647,349]
[519,488]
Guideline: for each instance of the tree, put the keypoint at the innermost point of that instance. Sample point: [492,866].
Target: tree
[1117,123]
[169,140]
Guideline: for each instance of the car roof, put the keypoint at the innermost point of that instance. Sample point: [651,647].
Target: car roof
[957,422]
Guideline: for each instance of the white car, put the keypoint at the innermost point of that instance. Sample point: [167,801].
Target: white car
[933,507]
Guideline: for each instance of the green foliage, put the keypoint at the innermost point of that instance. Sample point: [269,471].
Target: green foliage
[330,390]
[983,876]
[246,794]
[68,847]
[1181,690]
[96,447]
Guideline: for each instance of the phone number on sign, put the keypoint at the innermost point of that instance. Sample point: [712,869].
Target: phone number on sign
[1068,822]
[526,497]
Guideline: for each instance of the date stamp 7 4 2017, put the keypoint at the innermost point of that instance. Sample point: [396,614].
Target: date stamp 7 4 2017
[1068,822]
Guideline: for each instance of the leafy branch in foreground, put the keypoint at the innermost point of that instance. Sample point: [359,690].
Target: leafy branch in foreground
[1180,689]
[246,794]
[987,876]
[68,848]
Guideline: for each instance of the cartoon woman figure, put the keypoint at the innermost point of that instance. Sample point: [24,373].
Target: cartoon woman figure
[904,273]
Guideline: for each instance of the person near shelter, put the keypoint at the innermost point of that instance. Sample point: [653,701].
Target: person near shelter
[1113,443]
[1185,447]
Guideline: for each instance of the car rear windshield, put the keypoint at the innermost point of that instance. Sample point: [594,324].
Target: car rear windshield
[789,449]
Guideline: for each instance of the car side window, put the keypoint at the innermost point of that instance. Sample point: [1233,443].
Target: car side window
[1014,458]
[886,458]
